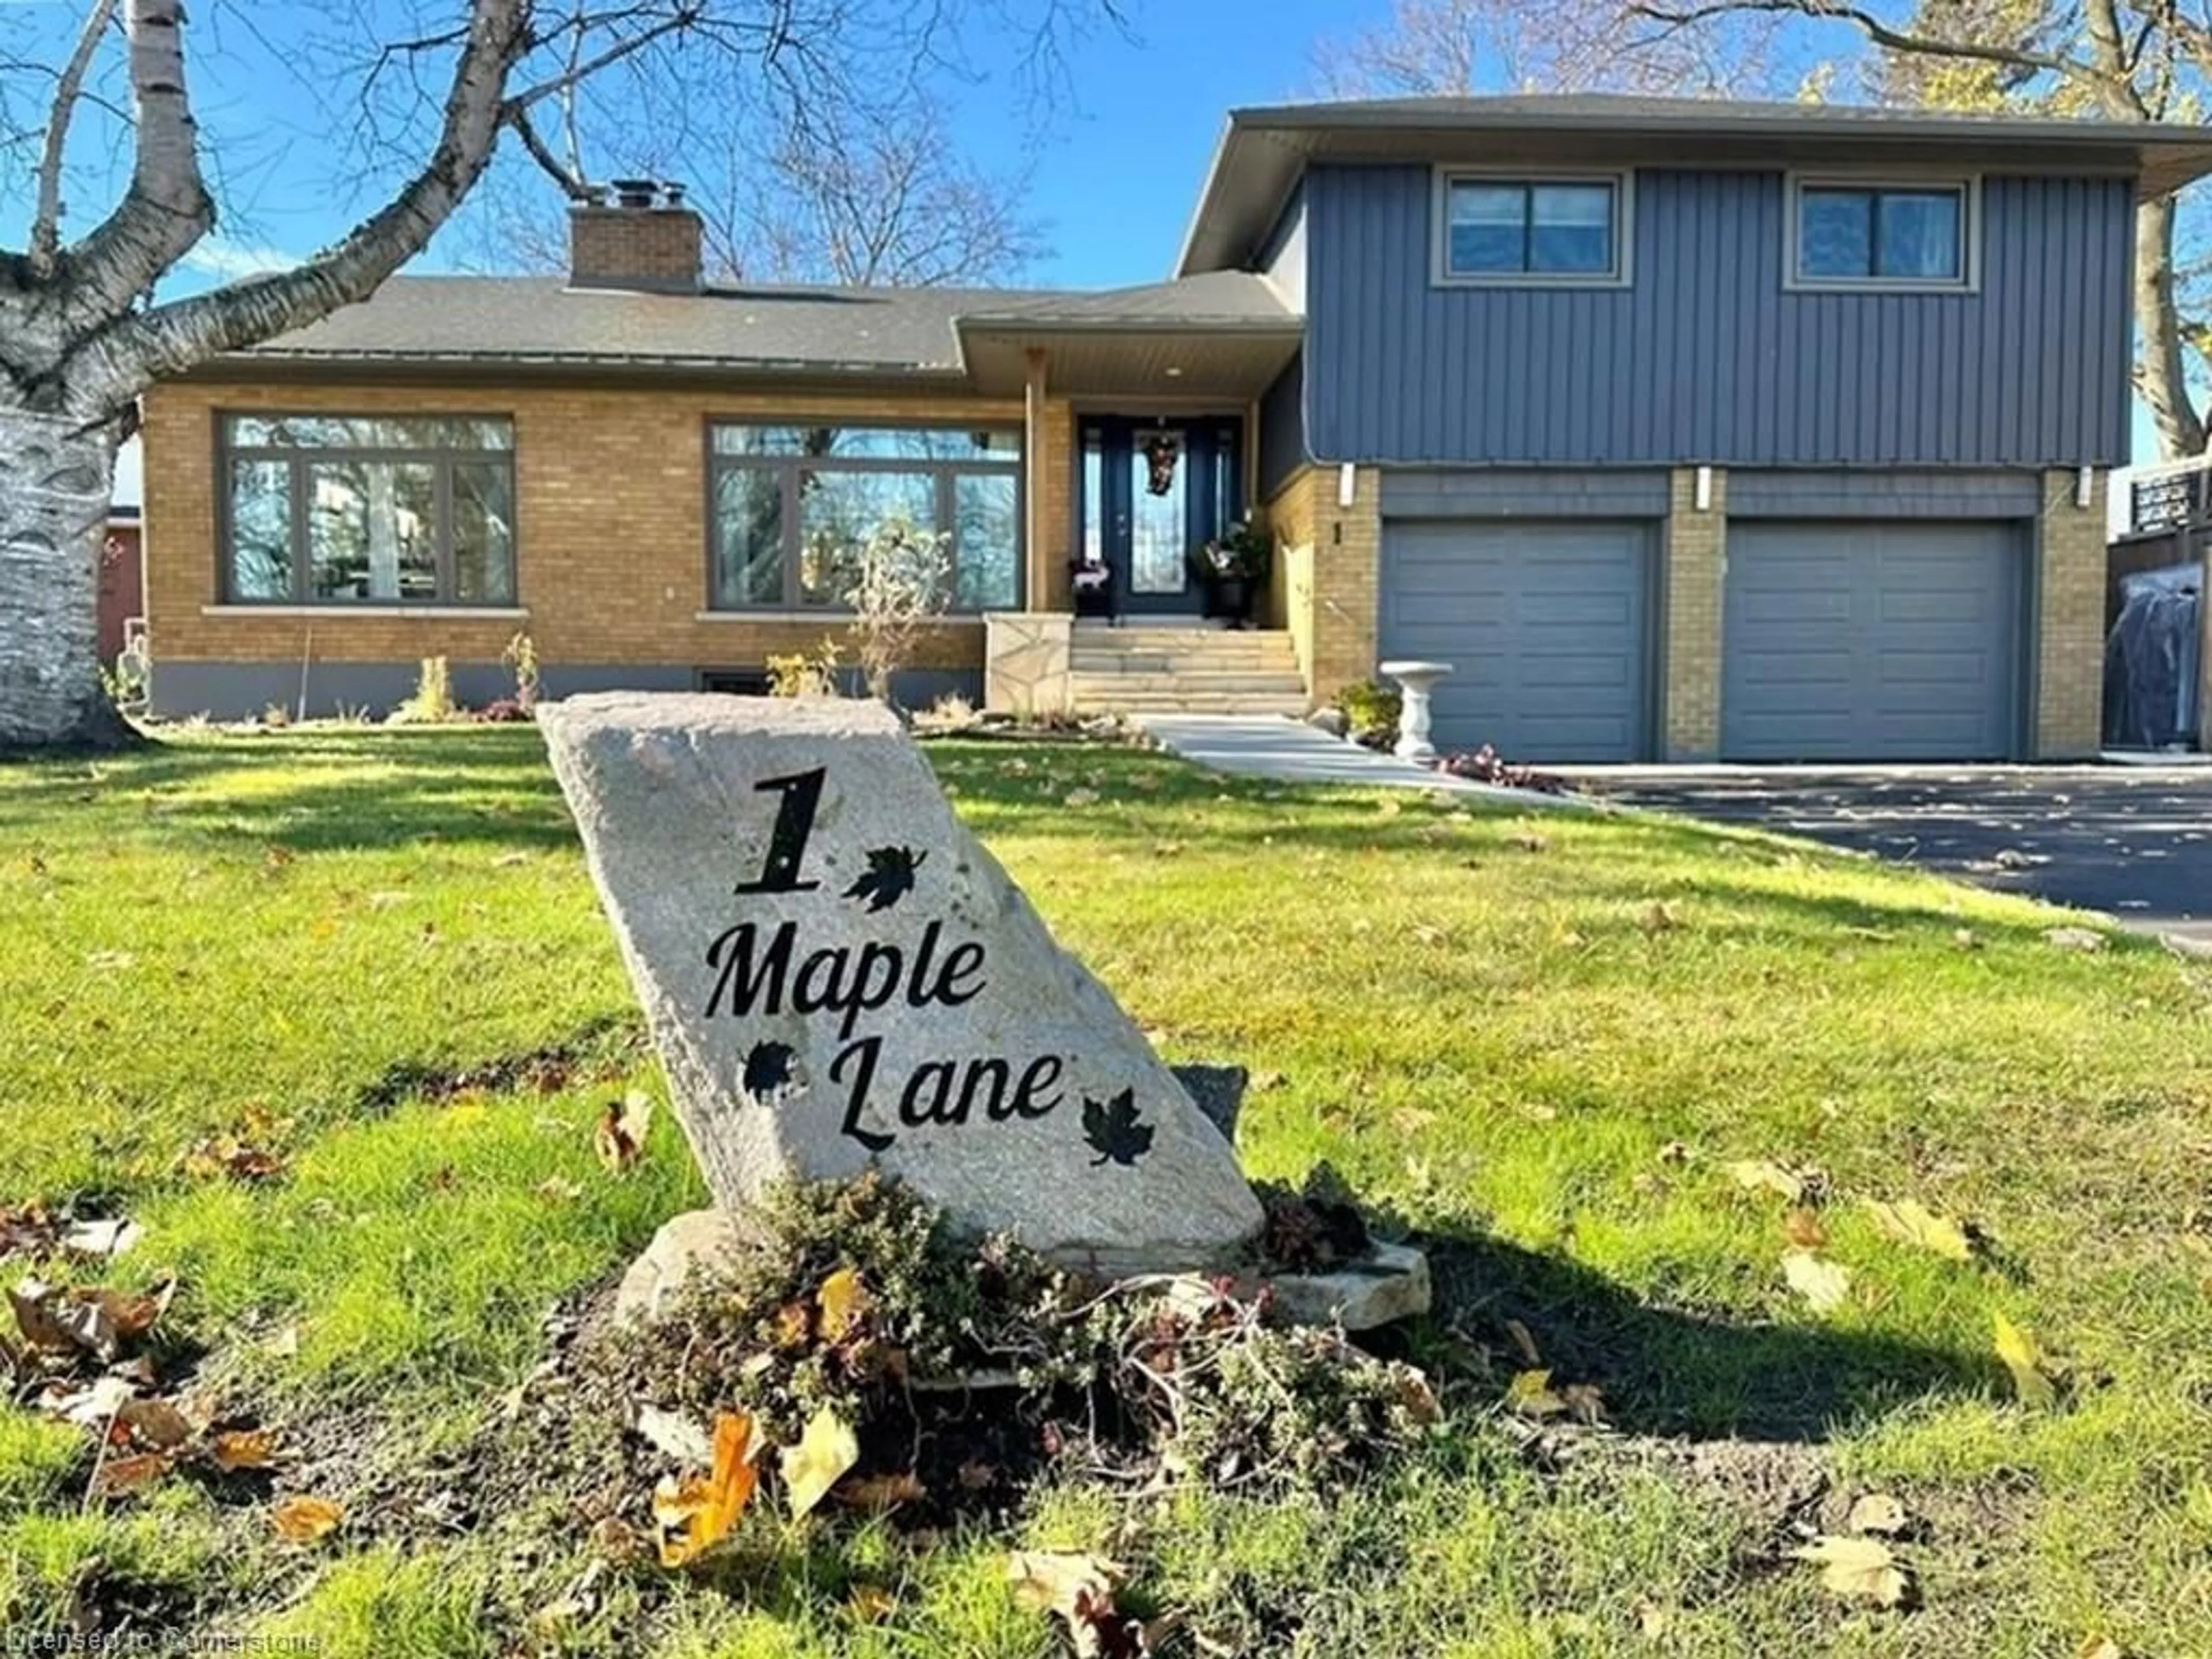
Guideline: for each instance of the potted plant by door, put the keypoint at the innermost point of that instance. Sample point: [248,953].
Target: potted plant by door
[1232,572]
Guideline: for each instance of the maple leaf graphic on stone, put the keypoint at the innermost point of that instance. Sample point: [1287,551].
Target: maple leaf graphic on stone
[889,877]
[1113,1130]
[768,1070]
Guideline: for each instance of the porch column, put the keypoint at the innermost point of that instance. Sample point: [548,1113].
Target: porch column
[1037,537]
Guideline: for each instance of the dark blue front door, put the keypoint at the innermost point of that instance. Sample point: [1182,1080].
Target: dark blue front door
[1152,492]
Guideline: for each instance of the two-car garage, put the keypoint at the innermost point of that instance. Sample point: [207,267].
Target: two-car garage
[1894,630]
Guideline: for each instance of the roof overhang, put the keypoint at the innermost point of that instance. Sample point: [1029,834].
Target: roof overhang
[1237,359]
[1263,152]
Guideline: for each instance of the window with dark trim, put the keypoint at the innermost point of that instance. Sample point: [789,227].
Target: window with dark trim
[1560,230]
[1902,235]
[790,507]
[365,510]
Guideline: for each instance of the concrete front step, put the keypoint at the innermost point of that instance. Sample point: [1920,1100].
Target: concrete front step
[1157,703]
[1204,680]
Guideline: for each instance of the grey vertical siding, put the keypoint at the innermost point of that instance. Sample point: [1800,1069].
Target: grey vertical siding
[1283,427]
[1706,357]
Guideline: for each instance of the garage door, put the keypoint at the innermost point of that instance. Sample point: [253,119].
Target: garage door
[1546,626]
[1874,641]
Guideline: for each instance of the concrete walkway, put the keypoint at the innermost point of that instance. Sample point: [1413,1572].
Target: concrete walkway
[1290,751]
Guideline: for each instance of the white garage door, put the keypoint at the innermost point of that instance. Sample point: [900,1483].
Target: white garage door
[1546,626]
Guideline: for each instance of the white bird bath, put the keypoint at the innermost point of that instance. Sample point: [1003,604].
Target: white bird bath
[1415,681]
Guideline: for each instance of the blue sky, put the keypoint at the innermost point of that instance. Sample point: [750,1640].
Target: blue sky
[1114,171]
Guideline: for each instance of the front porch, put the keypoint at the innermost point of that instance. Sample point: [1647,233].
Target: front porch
[1144,416]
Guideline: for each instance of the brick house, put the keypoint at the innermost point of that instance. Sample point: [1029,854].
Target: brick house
[1684,430]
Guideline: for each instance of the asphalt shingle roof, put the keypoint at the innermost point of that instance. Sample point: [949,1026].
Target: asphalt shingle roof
[892,331]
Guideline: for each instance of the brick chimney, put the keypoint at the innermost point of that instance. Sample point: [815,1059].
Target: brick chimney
[647,240]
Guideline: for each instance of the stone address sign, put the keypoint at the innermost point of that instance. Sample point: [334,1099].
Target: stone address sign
[838,974]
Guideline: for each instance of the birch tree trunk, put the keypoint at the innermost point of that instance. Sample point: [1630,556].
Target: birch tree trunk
[54,476]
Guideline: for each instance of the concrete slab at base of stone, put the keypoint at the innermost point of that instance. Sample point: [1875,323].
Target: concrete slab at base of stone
[839,977]
[1390,1283]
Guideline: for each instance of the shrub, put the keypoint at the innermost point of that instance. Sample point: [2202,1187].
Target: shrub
[798,675]
[432,702]
[521,656]
[1371,710]
[902,582]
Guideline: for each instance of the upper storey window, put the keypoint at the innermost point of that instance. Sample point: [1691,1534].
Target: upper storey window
[1889,236]
[1509,230]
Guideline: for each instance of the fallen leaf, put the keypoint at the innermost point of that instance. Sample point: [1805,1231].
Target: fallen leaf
[1659,918]
[244,1449]
[1531,844]
[1653,1618]
[1531,1395]
[219,1157]
[305,1520]
[1586,1400]
[555,1190]
[694,1515]
[1078,1588]
[154,1423]
[1674,1152]
[674,1435]
[509,860]
[818,1461]
[127,1474]
[1877,1511]
[101,1239]
[2073,938]
[2099,1646]
[843,1300]
[1911,1222]
[1524,1342]
[1858,1568]
[1967,939]
[1761,1174]
[620,1136]
[2031,1373]
[1263,1081]
[881,1491]
[1818,1281]
[1802,1228]
[1080,798]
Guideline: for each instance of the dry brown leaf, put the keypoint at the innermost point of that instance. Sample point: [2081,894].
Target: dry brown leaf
[825,1451]
[127,1474]
[1523,1342]
[694,1515]
[154,1423]
[1878,1511]
[620,1138]
[1078,1588]
[244,1449]
[1858,1568]
[1911,1222]
[843,1300]
[880,1491]
[305,1520]
[1802,1228]
[2032,1374]
[1818,1281]
[1586,1400]
[2098,1645]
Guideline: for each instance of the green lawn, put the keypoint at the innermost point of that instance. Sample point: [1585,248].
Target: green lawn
[1537,1040]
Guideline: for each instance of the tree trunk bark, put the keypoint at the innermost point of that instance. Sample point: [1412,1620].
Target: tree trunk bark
[2161,373]
[54,478]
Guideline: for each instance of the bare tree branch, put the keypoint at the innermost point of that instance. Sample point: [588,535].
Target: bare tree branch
[568,176]
[167,208]
[174,336]
[1872,27]
[46,219]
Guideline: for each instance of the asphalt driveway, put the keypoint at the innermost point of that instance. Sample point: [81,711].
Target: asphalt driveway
[2136,842]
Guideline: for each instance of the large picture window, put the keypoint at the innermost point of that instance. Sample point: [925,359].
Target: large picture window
[1546,230]
[792,506]
[1853,235]
[341,510]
